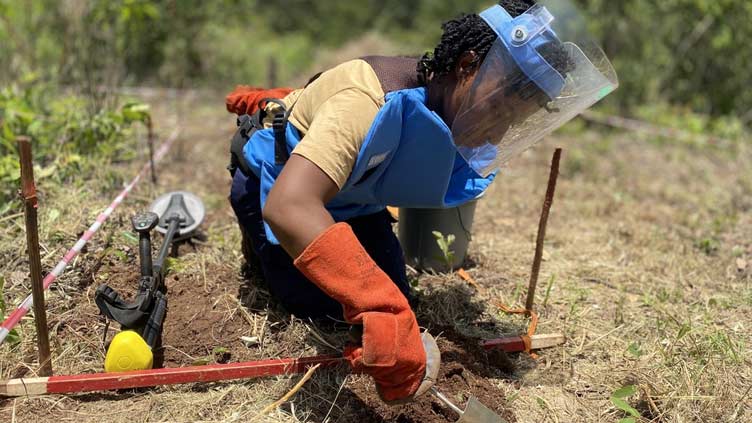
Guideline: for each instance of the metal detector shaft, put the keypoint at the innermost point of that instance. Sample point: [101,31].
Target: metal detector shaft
[153,328]
[144,249]
[172,230]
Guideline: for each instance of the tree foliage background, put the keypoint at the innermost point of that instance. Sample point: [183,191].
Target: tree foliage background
[688,53]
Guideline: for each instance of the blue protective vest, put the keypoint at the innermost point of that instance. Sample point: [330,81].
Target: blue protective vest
[408,159]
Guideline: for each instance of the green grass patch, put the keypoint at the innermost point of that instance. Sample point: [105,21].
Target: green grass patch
[69,137]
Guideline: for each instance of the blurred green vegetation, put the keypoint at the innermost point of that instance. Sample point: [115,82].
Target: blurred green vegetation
[68,139]
[685,53]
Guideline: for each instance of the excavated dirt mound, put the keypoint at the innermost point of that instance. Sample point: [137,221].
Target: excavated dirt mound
[466,371]
[198,330]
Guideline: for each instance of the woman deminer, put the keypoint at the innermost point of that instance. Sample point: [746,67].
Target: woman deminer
[314,171]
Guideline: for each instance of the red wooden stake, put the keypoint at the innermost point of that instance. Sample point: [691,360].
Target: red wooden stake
[150,140]
[160,377]
[213,373]
[29,197]
[542,230]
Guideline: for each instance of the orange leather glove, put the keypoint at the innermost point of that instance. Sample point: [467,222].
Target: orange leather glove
[392,351]
[244,100]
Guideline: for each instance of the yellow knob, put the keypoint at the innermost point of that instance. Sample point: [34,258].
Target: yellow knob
[128,352]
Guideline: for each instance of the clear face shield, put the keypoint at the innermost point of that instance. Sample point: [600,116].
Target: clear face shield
[542,71]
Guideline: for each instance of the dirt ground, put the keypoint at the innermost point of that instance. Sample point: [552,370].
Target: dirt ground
[647,270]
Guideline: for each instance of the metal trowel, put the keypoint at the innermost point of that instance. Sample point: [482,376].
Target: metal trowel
[475,412]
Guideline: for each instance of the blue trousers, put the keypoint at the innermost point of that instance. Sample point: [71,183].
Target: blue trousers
[287,285]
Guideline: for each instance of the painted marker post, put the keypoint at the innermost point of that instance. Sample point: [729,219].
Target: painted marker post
[150,141]
[215,372]
[29,196]
[542,229]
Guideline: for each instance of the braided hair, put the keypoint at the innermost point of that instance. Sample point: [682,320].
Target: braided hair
[472,33]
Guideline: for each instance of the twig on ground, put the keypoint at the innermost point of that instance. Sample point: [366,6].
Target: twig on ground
[273,406]
[263,327]
[244,312]
[13,216]
[469,279]
[203,273]
[652,405]
[313,332]
[334,402]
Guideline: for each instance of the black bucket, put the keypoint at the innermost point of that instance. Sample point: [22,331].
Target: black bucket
[418,230]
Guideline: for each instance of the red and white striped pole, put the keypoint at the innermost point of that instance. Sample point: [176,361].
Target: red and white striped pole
[12,320]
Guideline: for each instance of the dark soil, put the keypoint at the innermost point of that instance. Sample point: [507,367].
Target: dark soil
[198,330]
[466,371]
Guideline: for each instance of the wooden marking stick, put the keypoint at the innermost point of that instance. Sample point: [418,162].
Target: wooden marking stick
[213,373]
[550,191]
[517,344]
[159,377]
[29,197]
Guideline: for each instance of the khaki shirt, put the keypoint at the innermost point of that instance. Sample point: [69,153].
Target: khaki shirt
[334,115]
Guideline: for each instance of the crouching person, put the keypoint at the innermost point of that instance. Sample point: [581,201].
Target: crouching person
[314,171]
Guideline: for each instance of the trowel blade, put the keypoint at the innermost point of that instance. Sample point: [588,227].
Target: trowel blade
[479,413]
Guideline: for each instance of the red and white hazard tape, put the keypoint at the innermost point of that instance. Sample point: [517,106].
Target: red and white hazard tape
[15,317]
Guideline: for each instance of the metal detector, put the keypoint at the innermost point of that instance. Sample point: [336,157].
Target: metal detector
[177,215]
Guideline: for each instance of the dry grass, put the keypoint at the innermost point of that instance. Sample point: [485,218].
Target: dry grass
[643,254]
[642,248]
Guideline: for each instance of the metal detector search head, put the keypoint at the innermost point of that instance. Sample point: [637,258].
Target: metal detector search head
[184,205]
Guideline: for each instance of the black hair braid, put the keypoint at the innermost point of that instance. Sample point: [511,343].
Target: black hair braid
[516,7]
[466,33]
[471,32]
[557,56]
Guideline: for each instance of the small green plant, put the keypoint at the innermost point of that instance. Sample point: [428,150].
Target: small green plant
[129,237]
[635,350]
[721,343]
[445,245]
[707,245]
[414,282]
[136,112]
[619,400]
[175,265]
